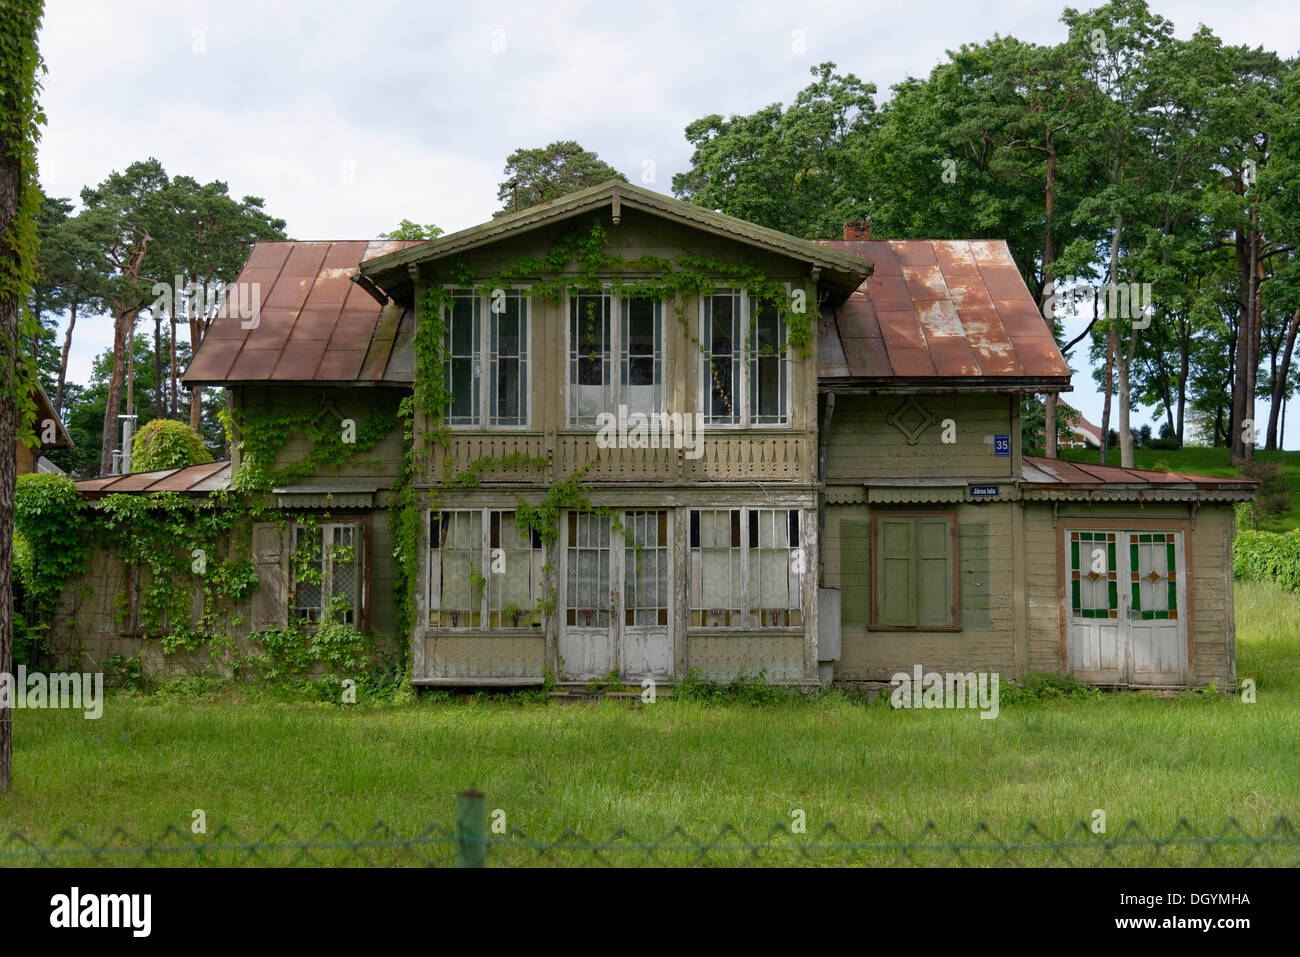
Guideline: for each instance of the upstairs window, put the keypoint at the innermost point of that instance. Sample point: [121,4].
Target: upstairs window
[745,371]
[616,356]
[486,355]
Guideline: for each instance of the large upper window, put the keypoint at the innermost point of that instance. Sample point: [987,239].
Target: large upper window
[616,356]
[746,568]
[745,377]
[913,557]
[485,570]
[486,355]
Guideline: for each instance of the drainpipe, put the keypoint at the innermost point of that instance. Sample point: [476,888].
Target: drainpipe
[823,433]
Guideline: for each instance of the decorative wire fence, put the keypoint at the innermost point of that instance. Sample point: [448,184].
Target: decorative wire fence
[472,843]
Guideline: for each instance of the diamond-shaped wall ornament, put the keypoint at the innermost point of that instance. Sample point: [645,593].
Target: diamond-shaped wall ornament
[912,419]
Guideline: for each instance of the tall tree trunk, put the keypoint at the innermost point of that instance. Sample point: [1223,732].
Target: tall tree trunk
[196,392]
[1125,431]
[159,397]
[63,359]
[1106,392]
[1280,380]
[18,192]
[1049,276]
[171,378]
[123,326]
[1184,368]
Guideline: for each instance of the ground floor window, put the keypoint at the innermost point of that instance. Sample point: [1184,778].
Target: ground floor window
[746,568]
[327,571]
[485,570]
[913,557]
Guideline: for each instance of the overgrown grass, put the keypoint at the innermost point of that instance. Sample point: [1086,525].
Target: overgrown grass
[249,760]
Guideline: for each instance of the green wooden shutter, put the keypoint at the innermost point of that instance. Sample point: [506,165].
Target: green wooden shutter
[896,579]
[271,603]
[934,572]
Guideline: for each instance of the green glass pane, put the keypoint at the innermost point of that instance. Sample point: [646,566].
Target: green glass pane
[1169,553]
[1133,557]
[1137,597]
[1074,556]
[1075,587]
[1148,615]
[1110,554]
[1114,595]
[1173,596]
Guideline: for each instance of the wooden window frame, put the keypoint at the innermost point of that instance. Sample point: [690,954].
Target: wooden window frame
[746,362]
[361,616]
[616,356]
[747,612]
[485,359]
[485,560]
[955,604]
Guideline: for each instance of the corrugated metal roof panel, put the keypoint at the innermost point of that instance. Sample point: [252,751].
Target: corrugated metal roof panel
[307,296]
[950,309]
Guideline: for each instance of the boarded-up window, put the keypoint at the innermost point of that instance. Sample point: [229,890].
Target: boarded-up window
[912,571]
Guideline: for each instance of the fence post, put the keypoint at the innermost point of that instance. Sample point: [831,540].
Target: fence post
[471,829]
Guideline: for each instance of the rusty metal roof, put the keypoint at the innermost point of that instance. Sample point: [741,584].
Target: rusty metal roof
[1059,473]
[315,324]
[191,479]
[956,310]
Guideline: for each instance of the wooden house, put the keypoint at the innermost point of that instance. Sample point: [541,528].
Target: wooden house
[647,464]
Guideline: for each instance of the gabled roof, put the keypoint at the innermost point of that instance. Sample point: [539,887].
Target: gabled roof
[955,311]
[841,271]
[190,479]
[315,323]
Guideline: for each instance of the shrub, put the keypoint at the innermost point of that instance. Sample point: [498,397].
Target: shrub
[49,546]
[1273,500]
[167,444]
[1268,556]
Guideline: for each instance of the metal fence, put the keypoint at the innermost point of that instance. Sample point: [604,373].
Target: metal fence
[472,843]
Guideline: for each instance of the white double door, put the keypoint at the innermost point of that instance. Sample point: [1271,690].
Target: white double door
[1126,604]
[616,602]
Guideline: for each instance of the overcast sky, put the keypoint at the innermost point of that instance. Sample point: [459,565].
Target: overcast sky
[347,118]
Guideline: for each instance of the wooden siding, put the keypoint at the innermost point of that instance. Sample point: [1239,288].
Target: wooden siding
[863,445]
[1208,536]
[381,463]
[986,640]
[768,453]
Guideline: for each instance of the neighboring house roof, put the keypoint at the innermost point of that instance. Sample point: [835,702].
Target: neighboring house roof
[841,272]
[1057,479]
[952,310]
[315,324]
[45,411]
[1081,426]
[190,479]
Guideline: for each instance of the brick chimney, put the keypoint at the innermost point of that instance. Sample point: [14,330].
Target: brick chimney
[857,231]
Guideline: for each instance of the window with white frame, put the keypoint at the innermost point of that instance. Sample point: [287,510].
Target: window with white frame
[586,595]
[745,362]
[485,570]
[616,355]
[486,354]
[327,572]
[746,568]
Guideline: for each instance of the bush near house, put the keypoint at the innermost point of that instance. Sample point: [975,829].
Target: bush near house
[167,444]
[1267,557]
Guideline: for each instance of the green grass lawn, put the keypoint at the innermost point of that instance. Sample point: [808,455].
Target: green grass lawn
[594,768]
[1200,461]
